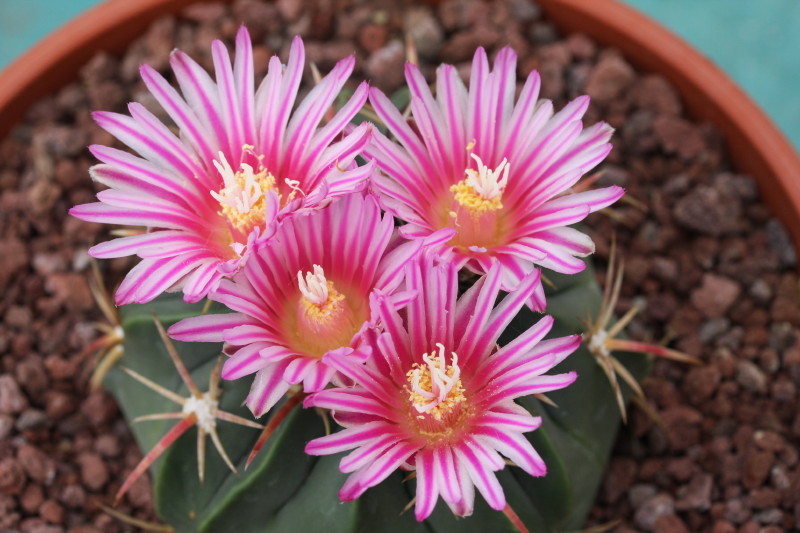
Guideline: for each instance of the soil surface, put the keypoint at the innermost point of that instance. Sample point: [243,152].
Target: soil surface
[714,272]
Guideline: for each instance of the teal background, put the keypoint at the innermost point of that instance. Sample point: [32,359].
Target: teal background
[756,42]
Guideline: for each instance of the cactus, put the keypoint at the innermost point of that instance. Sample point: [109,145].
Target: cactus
[286,490]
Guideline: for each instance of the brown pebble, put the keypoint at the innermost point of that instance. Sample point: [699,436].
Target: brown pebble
[696,496]
[12,260]
[657,506]
[749,376]
[71,290]
[424,30]
[757,465]
[12,476]
[12,400]
[94,473]
[609,78]
[52,512]
[38,465]
[715,296]
[669,524]
[31,498]
[373,37]
[99,408]
[385,66]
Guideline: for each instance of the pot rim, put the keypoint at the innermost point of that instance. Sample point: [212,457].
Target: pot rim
[755,145]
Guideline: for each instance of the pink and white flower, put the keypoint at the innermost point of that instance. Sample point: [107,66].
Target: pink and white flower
[496,171]
[242,160]
[303,294]
[437,395]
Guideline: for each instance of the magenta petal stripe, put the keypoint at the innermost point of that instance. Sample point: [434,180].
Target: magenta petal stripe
[242,160]
[437,394]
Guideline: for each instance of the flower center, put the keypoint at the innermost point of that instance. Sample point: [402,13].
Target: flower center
[435,387]
[204,409]
[323,319]
[320,300]
[475,210]
[482,190]
[242,199]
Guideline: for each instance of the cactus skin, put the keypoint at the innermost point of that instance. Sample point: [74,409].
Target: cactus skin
[286,490]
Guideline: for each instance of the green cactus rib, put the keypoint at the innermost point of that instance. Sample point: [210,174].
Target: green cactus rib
[286,490]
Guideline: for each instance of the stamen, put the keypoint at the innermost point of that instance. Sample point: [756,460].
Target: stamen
[315,287]
[436,386]
[482,190]
[486,182]
[242,199]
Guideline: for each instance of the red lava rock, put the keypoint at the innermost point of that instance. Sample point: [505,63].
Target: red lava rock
[373,37]
[769,440]
[38,465]
[752,378]
[141,493]
[696,496]
[8,518]
[94,473]
[18,316]
[682,422]
[52,512]
[701,382]
[12,400]
[736,511]
[73,496]
[715,296]
[37,525]
[609,78]
[655,94]
[59,368]
[71,290]
[763,498]
[12,260]
[723,526]
[424,30]
[385,66]
[12,477]
[6,425]
[31,375]
[708,211]
[31,498]
[657,506]
[757,465]
[108,445]
[621,473]
[99,408]
[669,524]
[59,404]
[678,136]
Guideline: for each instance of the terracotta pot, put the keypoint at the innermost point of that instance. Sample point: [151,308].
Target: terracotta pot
[755,144]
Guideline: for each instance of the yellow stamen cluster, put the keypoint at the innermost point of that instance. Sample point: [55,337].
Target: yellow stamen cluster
[482,189]
[477,205]
[434,387]
[243,199]
[322,312]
